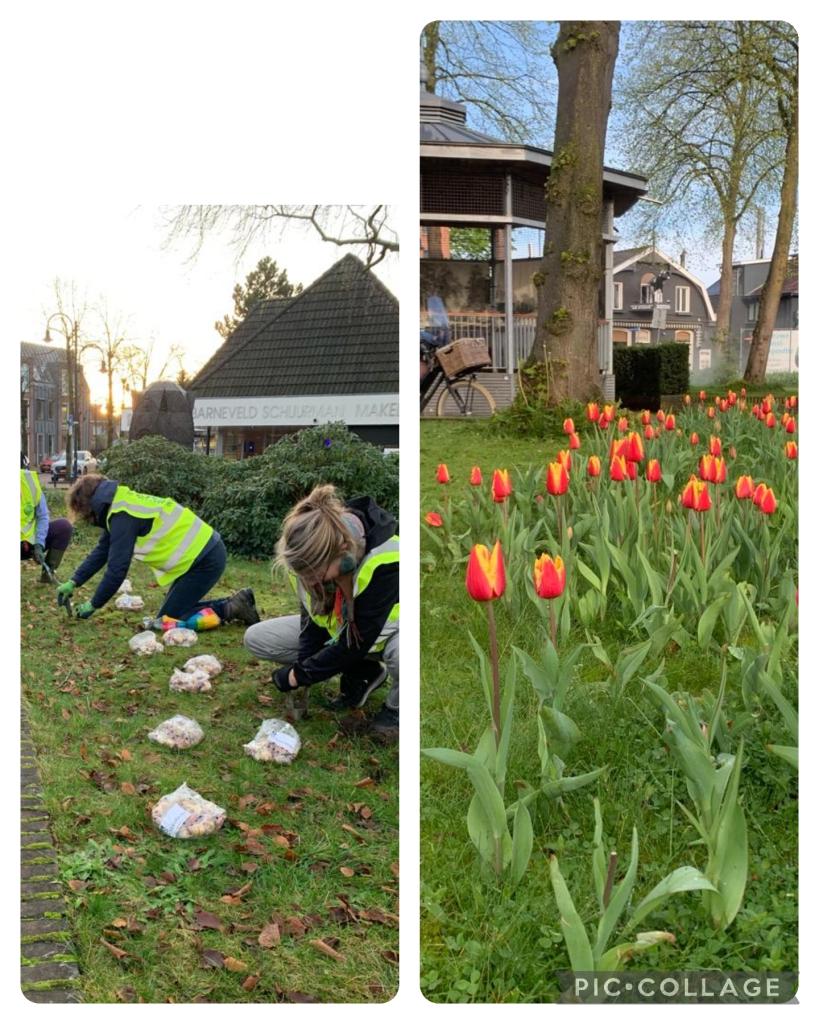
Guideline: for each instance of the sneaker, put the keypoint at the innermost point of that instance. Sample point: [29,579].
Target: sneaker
[382,727]
[357,686]
[241,607]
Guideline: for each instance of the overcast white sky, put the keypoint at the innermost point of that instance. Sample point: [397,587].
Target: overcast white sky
[117,252]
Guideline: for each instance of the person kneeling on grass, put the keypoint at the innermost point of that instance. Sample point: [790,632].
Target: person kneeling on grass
[342,561]
[180,548]
[41,538]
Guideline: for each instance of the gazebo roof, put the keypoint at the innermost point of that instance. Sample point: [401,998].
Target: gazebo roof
[448,145]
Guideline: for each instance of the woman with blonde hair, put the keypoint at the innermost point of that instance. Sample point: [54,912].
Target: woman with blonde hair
[342,561]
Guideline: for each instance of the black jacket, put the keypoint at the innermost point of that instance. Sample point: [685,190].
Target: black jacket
[116,545]
[319,658]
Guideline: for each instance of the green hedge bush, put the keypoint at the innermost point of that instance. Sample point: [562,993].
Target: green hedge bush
[642,375]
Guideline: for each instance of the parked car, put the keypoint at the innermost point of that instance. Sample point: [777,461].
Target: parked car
[86,463]
[47,461]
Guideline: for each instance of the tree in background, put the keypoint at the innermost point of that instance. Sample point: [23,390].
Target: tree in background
[113,348]
[470,244]
[142,364]
[700,122]
[568,280]
[777,63]
[265,281]
[499,68]
[365,229]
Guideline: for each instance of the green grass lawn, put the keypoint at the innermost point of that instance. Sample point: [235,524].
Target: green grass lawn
[294,899]
[483,941]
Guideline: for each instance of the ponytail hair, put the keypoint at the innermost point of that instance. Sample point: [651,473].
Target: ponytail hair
[315,532]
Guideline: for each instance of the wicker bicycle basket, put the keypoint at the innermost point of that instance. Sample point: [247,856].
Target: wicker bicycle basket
[465,354]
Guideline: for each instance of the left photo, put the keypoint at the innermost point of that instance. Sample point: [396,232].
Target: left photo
[209,587]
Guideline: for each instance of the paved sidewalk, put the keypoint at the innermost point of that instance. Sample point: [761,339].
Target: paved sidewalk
[48,962]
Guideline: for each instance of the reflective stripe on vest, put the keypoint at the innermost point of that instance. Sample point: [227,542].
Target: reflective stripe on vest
[30,494]
[177,535]
[384,554]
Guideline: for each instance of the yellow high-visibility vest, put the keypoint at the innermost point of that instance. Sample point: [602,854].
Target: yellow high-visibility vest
[384,554]
[177,535]
[30,494]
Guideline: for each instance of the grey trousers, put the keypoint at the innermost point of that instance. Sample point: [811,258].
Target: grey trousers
[278,640]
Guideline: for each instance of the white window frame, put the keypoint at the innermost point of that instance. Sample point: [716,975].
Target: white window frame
[617,295]
[682,298]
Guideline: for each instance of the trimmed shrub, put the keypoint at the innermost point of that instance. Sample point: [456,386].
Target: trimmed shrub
[253,496]
[642,375]
[154,465]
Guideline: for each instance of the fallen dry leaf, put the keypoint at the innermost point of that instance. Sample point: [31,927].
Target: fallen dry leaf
[118,953]
[323,947]
[347,872]
[364,783]
[75,885]
[250,982]
[205,919]
[212,958]
[269,936]
[128,789]
[239,966]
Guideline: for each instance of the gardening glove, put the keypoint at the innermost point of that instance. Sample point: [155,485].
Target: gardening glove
[85,610]
[39,554]
[281,680]
[64,592]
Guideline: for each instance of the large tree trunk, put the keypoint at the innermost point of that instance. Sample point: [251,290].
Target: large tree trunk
[726,282]
[772,289]
[569,279]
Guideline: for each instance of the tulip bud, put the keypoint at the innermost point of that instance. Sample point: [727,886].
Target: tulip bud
[485,573]
[653,471]
[660,416]
[650,433]
[442,476]
[622,424]
[645,419]
[670,421]
[687,399]
[702,396]
[592,412]
[618,469]
[476,477]
[711,412]
[574,442]
[695,438]
[732,452]
[501,485]
[790,426]
[715,445]
[744,487]
[790,449]
[593,468]
[434,519]
[568,425]
[564,457]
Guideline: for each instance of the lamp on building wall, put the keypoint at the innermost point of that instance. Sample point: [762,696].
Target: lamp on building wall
[72,358]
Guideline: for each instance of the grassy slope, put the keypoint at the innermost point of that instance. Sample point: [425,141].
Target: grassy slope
[289,830]
[483,943]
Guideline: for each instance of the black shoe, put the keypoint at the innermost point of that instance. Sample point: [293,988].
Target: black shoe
[382,727]
[241,607]
[357,685]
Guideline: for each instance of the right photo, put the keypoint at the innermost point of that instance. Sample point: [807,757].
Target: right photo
[609,353]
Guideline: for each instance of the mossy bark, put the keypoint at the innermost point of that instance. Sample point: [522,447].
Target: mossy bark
[571,269]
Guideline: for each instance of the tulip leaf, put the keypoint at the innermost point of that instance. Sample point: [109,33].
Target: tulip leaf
[574,934]
[619,898]
[598,856]
[784,706]
[522,842]
[614,958]
[685,879]
[590,575]
[570,784]
[561,730]
[708,619]
[788,754]
[729,868]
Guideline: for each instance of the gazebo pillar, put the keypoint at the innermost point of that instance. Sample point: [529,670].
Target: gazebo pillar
[509,289]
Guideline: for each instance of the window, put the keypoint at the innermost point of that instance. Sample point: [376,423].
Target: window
[682,299]
[646,294]
[619,337]
[40,414]
[618,295]
[753,312]
[642,337]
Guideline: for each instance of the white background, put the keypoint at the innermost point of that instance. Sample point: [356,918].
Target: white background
[245,102]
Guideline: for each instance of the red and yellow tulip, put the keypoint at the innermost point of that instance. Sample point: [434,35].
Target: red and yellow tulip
[433,519]
[568,425]
[696,496]
[485,573]
[790,449]
[593,468]
[653,472]
[549,576]
[501,485]
[744,487]
[476,477]
[442,475]
[557,478]
[592,412]
[574,442]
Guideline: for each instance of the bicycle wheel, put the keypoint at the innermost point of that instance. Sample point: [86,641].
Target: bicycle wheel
[473,399]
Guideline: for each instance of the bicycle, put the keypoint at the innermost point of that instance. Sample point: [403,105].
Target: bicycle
[459,394]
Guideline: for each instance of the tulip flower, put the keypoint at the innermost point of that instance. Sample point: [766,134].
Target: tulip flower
[702,396]
[634,446]
[434,519]
[618,469]
[670,422]
[475,477]
[622,424]
[687,399]
[564,457]
[759,492]
[608,412]
[550,577]
[715,445]
[485,573]
[645,419]
[720,470]
[618,446]
[744,487]
[732,452]
[653,472]
[711,412]
[660,416]
[767,405]
[790,449]
[695,438]
[557,478]
[442,476]
[723,405]
[770,420]
[706,468]
[767,500]
[593,468]
[732,398]
[743,392]
[574,442]
[568,425]
[790,426]
[755,411]
[501,485]
[650,433]
[592,412]
[696,496]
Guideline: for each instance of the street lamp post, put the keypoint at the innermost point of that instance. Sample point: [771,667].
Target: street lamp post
[72,358]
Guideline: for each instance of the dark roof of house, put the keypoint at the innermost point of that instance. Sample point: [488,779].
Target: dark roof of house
[790,286]
[41,354]
[623,255]
[338,337]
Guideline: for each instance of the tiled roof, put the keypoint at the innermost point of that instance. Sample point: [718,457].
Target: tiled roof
[41,354]
[624,255]
[339,336]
